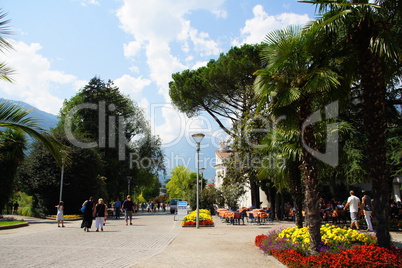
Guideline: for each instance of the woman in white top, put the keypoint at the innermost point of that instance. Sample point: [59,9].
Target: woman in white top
[60,214]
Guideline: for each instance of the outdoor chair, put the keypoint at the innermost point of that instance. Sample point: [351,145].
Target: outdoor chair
[243,214]
[251,218]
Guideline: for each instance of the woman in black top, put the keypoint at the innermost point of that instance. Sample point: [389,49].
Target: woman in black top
[100,212]
[88,214]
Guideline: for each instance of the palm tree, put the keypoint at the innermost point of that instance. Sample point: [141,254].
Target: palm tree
[5,71]
[13,142]
[370,37]
[296,81]
[14,117]
[285,145]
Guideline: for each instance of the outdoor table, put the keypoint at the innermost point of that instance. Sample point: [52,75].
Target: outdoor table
[261,216]
[222,213]
[232,216]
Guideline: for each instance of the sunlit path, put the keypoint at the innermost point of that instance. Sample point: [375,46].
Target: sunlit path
[45,245]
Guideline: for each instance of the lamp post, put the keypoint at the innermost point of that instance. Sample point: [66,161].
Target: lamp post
[198,138]
[128,184]
[61,179]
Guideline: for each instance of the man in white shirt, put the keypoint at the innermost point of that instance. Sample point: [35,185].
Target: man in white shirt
[353,204]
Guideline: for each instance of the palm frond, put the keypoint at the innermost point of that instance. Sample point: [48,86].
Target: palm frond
[4,31]
[14,117]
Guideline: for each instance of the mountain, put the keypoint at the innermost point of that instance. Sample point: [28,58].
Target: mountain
[47,120]
[184,153]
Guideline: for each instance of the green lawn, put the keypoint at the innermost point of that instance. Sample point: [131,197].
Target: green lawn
[5,223]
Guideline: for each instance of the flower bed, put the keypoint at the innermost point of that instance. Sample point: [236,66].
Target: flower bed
[66,217]
[205,218]
[340,248]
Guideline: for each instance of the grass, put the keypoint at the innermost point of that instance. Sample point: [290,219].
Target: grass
[7,223]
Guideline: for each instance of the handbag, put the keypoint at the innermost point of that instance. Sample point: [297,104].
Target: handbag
[84,206]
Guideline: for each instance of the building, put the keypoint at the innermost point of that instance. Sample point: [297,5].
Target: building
[221,156]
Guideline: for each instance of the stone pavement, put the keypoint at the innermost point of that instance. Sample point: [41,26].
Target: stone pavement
[155,240]
[43,244]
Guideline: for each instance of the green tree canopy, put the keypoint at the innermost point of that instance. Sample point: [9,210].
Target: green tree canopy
[181,183]
[368,35]
[100,117]
[222,88]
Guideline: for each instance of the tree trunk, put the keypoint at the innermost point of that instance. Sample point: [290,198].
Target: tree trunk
[278,206]
[374,90]
[255,193]
[296,191]
[310,179]
[272,191]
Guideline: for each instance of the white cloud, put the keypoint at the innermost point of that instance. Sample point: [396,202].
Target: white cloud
[173,128]
[131,49]
[131,86]
[219,13]
[199,64]
[155,24]
[35,81]
[134,69]
[144,104]
[201,40]
[89,2]
[176,125]
[258,27]
[162,64]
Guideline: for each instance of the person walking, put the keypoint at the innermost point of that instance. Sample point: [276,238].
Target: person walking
[117,208]
[128,207]
[353,204]
[16,205]
[367,204]
[60,214]
[100,212]
[89,213]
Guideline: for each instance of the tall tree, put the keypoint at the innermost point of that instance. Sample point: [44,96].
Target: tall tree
[371,35]
[282,166]
[114,125]
[39,177]
[296,82]
[12,146]
[180,184]
[223,89]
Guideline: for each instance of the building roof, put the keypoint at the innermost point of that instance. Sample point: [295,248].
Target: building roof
[223,155]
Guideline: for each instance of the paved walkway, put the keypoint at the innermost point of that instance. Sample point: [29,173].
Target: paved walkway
[155,240]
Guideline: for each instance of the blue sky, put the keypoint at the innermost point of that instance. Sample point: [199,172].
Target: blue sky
[60,45]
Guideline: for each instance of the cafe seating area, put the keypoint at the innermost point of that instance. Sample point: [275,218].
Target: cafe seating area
[244,216]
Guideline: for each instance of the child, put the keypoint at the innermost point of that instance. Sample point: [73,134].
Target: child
[60,214]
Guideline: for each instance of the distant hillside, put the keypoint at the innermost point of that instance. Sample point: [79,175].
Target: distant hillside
[48,121]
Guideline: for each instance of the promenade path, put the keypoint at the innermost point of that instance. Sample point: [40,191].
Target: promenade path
[154,240]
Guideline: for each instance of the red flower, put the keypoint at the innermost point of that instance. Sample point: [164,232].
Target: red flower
[359,256]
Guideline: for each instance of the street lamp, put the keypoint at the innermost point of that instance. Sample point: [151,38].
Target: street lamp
[198,138]
[128,184]
[61,179]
